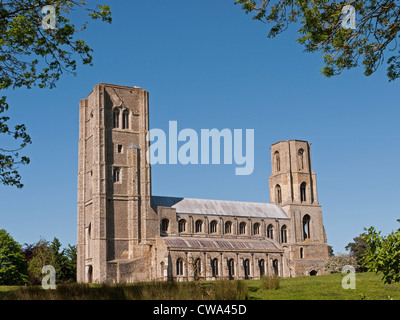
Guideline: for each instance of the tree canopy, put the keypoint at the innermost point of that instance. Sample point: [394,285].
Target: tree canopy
[383,254]
[31,55]
[320,27]
[13,268]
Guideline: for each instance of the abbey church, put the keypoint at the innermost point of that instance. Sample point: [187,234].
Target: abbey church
[126,234]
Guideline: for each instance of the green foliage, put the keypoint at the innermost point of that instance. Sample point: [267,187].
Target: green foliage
[383,254]
[357,250]
[330,251]
[13,269]
[10,159]
[377,27]
[33,56]
[46,253]
[270,282]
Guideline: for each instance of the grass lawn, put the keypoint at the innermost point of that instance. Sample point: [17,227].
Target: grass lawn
[326,287]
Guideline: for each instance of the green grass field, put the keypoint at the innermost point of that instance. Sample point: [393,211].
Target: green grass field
[327,287]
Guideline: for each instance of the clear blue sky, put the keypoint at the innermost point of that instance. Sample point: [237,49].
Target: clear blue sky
[208,65]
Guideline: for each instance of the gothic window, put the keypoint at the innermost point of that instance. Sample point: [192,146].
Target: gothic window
[303,188]
[301,253]
[197,268]
[213,226]
[277,161]
[179,267]
[284,234]
[198,226]
[256,228]
[116,174]
[228,227]
[164,225]
[231,268]
[300,155]
[242,228]
[261,265]
[246,266]
[90,274]
[306,227]
[214,267]
[116,118]
[89,241]
[278,192]
[125,119]
[270,232]
[275,266]
[182,225]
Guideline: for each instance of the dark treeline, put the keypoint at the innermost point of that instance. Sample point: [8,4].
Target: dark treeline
[22,264]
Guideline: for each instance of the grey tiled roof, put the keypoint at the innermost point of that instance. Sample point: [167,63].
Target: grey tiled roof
[218,243]
[221,207]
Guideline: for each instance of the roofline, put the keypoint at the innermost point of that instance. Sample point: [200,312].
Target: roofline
[289,141]
[233,216]
[250,202]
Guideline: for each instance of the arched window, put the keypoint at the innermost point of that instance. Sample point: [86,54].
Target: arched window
[306,227]
[275,266]
[300,156]
[179,267]
[242,228]
[301,253]
[198,226]
[256,228]
[278,194]
[246,266]
[90,273]
[125,119]
[197,268]
[303,188]
[261,265]
[228,227]
[182,225]
[277,161]
[270,232]
[116,118]
[116,174]
[89,240]
[214,267]
[284,234]
[213,226]
[231,268]
[164,225]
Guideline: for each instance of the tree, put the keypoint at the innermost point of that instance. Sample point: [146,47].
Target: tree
[330,251]
[336,263]
[383,254]
[31,55]
[357,250]
[42,255]
[50,253]
[13,269]
[71,254]
[320,27]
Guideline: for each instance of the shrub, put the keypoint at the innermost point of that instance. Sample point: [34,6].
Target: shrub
[270,282]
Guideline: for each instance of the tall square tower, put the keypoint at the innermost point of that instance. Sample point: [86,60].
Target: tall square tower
[116,225]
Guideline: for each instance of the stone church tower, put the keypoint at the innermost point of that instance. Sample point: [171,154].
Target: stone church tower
[116,226]
[293,186]
[126,234]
